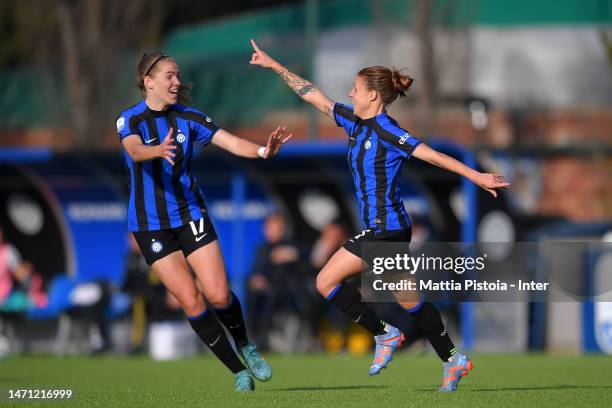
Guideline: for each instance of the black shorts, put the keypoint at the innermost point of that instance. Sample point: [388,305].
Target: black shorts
[155,245]
[373,236]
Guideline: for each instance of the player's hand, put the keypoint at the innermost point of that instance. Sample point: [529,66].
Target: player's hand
[491,182]
[276,140]
[167,147]
[261,58]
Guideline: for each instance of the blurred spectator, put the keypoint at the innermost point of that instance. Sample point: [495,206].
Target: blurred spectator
[150,299]
[89,302]
[333,236]
[333,329]
[136,284]
[20,287]
[278,281]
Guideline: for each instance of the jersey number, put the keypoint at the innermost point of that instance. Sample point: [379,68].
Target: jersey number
[195,228]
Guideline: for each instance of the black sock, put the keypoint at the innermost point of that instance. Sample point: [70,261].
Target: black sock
[428,319]
[212,334]
[348,299]
[232,318]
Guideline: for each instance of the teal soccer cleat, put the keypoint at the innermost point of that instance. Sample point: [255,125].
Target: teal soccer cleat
[385,346]
[244,381]
[260,368]
[454,370]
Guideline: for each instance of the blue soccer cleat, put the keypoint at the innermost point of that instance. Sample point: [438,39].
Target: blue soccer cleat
[385,346]
[244,381]
[260,368]
[459,366]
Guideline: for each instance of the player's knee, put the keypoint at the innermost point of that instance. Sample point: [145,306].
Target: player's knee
[324,284]
[409,305]
[193,304]
[219,299]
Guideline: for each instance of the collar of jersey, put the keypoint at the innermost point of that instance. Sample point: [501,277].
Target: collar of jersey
[373,119]
[157,114]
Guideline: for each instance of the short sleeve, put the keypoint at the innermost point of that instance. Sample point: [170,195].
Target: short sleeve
[400,140]
[203,126]
[344,116]
[126,125]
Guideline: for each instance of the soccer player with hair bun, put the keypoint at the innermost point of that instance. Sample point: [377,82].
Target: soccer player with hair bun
[167,211]
[377,148]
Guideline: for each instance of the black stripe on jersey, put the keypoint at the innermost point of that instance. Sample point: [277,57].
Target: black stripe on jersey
[134,122]
[352,142]
[399,204]
[344,112]
[198,194]
[179,159]
[380,171]
[139,199]
[195,189]
[362,180]
[392,139]
[139,194]
[201,119]
[158,183]
[188,157]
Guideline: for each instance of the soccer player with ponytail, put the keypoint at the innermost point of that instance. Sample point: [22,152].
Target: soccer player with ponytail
[377,148]
[167,211]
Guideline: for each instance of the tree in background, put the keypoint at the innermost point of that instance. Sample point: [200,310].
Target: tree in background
[429,89]
[95,34]
[84,42]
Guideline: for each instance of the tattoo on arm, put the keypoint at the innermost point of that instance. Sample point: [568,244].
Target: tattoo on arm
[306,89]
[299,85]
[303,87]
[329,109]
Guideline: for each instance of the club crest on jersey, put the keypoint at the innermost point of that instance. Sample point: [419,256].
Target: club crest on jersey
[368,144]
[156,246]
[404,138]
[120,124]
[180,138]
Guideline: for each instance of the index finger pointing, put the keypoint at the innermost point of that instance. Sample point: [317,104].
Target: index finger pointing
[255,47]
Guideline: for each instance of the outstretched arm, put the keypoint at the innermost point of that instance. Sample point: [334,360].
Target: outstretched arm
[304,88]
[242,147]
[487,181]
[141,152]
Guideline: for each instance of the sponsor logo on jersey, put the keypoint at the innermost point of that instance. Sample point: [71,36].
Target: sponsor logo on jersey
[120,124]
[404,138]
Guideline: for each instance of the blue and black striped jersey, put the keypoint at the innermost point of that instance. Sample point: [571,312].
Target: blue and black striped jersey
[377,147]
[163,196]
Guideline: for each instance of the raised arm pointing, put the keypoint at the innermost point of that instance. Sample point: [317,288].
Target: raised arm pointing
[304,88]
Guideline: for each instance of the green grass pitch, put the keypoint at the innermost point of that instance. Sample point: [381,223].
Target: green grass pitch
[314,380]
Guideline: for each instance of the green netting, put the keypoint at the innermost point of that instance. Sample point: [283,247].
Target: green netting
[233,92]
[231,35]
[542,12]
[28,99]
[215,56]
